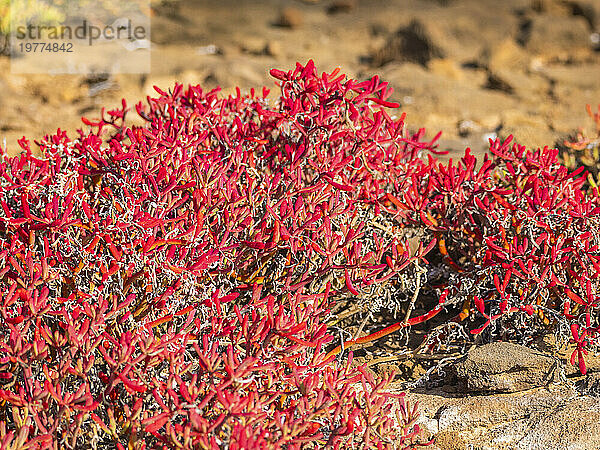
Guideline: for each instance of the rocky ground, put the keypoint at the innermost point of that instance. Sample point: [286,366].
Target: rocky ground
[471,68]
[506,396]
[474,69]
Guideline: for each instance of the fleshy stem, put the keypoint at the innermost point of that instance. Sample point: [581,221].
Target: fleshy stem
[390,329]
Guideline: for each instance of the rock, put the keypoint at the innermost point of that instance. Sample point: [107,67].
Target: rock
[554,7]
[274,48]
[588,9]
[254,45]
[459,32]
[497,83]
[447,68]
[506,54]
[378,29]
[453,32]
[505,367]
[290,17]
[517,82]
[595,38]
[495,421]
[412,43]
[467,127]
[556,37]
[341,6]
[436,102]
[450,440]
[591,384]
[574,424]
[210,49]
[553,417]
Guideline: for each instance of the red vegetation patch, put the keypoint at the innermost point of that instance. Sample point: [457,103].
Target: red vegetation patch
[171,285]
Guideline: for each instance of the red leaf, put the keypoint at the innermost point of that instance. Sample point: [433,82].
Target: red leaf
[479,304]
[153,424]
[349,284]
[573,296]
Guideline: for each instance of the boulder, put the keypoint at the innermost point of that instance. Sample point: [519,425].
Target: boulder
[505,367]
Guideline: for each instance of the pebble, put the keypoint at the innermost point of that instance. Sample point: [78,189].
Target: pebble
[290,17]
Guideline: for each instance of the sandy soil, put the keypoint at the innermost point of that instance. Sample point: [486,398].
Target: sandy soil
[471,68]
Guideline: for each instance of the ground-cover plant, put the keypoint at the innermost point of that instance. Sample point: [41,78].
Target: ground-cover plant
[517,246]
[172,285]
[521,237]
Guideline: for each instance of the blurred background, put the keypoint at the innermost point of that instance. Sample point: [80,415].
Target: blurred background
[474,69]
